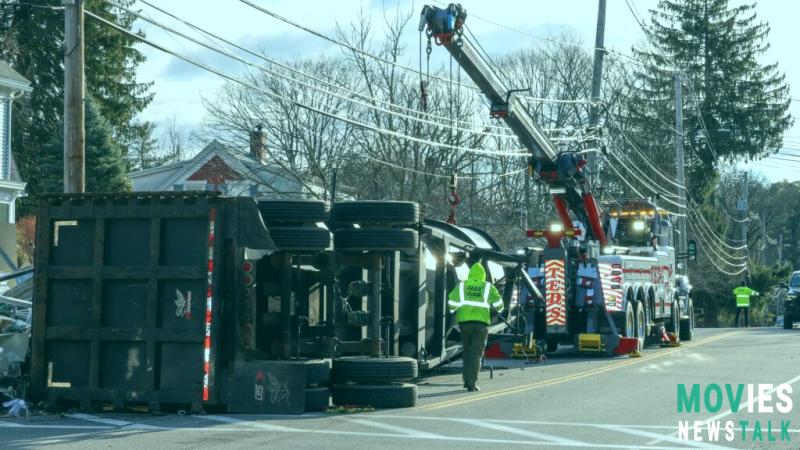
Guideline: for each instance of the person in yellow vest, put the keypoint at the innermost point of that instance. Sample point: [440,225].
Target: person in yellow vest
[472,301]
[743,294]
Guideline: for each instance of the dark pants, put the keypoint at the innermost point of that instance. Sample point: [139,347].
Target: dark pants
[473,339]
[746,313]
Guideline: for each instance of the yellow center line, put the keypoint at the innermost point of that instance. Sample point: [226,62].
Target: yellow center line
[571,377]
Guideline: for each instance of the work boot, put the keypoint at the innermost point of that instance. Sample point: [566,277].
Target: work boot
[473,388]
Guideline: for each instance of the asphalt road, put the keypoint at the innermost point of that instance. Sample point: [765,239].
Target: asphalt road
[569,401]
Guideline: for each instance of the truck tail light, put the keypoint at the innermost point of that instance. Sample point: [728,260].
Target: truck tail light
[247,266]
[587,282]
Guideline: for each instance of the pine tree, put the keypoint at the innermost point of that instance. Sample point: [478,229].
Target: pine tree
[734,107]
[31,37]
[105,163]
[142,152]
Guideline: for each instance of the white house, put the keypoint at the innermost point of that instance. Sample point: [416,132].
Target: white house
[235,173]
[12,85]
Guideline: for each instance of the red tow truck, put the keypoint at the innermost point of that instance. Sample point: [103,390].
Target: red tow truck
[608,279]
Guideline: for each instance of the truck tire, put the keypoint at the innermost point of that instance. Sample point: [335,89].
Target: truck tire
[787,322]
[293,211]
[376,212]
[300,238]
[376,239]
[318,372]
[641,324]
[629,325]
[552,345]
[674,324]
[363,369]
[393,395]
[318,399]
[687,325]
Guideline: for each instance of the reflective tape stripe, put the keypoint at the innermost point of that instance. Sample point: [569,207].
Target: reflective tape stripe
[476,304]
[461,291]
[486,291]
[498,303]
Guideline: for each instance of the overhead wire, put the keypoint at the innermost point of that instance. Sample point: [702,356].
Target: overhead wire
[302,105]
[310,86]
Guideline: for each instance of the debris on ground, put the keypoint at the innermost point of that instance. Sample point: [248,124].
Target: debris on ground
[348,409]
[16,407]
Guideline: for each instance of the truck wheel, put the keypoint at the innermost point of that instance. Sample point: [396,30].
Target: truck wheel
[364,369]
[687,325]
[787,322]
[674,324]
[293,211]
[377,239]
[376,212]
[552,345]
[317,399]
[641,324]
[300,238]
[629,329]
[393,395]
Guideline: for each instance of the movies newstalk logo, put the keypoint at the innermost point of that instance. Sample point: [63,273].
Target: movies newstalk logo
[730,399]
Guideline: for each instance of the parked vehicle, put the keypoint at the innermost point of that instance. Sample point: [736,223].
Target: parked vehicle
[791,306]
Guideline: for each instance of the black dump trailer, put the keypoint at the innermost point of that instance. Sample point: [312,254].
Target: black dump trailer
[139,300]
[204,301]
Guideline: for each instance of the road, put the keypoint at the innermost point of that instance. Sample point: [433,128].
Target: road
[569,401]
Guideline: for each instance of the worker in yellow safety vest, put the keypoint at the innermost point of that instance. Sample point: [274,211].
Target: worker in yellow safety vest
[743,294]
[472,301]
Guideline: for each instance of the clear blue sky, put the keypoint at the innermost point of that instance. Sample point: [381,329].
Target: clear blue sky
[179,87]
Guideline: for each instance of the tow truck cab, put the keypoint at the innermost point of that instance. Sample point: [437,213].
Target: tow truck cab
[620,299]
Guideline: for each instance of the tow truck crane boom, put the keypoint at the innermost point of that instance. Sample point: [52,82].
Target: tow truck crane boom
[562,171]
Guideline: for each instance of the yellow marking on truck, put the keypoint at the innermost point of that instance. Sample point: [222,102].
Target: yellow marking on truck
[590,342]
[571,377]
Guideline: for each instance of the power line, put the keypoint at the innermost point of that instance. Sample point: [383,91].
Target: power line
[310,86]
[300,104]
[315,78]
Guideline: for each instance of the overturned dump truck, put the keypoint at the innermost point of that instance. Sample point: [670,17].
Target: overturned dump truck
[197,301]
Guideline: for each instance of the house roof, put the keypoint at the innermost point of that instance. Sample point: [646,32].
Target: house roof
[238,161]
[12,78]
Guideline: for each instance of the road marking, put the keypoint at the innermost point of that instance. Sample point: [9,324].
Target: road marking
[518,422]
[259,425]
[59,427]
[526,433]
[576,376]
[395,428]
[112,422]
[730,411]
[661,437]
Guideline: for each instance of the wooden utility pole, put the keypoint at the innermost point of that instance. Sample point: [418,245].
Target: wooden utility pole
[680,171]
[74,130]
[597,78]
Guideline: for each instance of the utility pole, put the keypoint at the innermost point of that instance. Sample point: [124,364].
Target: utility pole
[780,248]
[763,238]
[743,206]
[597,78]
[679,168]
[74,131]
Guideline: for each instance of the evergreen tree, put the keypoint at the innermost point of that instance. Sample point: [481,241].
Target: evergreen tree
[31,38]
[740,104]
[142,152]
[105,163]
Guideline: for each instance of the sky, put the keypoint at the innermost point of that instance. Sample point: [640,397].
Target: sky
[180,88]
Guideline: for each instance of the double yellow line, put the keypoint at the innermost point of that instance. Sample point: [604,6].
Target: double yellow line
[571,377]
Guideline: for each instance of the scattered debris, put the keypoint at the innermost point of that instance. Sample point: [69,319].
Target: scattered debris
[17,407]
[349,409]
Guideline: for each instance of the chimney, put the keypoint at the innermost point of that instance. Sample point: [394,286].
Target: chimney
[258,144]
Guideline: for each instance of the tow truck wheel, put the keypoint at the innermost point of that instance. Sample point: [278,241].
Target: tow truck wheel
[641,325]
[552,345]
[630,321]
[687,325]
[675,318]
